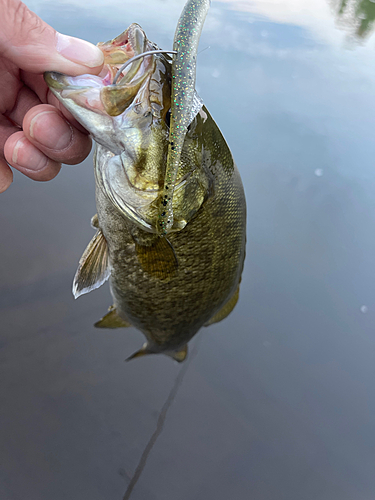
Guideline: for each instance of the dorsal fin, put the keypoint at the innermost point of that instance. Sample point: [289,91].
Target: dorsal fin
[226,309]
[93,268]
[112,320]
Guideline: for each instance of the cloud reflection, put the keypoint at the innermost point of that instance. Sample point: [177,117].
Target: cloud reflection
[318,18]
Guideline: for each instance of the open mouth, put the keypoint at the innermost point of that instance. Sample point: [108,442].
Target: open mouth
[118,51]
[98,93]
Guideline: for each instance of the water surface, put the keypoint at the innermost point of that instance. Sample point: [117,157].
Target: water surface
[277,401]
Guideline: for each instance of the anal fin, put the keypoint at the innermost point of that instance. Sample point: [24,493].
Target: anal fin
[112,320]
[179,355]
[226,309]
[93,268]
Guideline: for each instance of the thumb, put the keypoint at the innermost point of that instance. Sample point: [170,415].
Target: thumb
[36,47]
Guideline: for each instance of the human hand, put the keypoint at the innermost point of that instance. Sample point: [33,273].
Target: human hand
[37,134]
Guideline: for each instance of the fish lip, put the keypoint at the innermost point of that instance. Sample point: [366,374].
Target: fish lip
[55,80]
[59,81]
[128,36]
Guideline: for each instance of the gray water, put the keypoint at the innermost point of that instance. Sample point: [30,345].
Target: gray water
[277,401]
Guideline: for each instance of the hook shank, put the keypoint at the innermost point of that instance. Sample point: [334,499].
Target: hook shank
[138,56]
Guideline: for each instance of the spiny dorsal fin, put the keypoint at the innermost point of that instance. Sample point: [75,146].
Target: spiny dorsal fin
[159,260]
[112,320]
[93,268]
[225,310]
[179,355]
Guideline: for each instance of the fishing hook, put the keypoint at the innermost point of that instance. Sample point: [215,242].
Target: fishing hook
[138,56]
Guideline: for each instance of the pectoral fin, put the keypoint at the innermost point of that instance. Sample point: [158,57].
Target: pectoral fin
[112,320]
[159,259]
[226,309]
[93,269]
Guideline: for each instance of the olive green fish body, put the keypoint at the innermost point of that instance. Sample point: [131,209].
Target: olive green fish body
[209,251]
[167,285]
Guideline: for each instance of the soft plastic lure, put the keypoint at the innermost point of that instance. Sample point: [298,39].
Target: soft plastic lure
[186,40]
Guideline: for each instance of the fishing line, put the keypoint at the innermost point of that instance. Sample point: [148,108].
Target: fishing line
[208,47]
[161,419]
[138,56]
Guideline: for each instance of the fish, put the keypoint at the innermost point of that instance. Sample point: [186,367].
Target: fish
[167,280]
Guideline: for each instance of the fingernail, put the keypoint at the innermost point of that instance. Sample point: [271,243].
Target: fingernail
[79,51]
[34,160]
[50,130]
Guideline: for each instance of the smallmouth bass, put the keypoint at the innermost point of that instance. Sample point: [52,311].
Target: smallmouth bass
[167,283]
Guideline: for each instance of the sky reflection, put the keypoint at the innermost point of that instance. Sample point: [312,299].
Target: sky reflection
[279,400]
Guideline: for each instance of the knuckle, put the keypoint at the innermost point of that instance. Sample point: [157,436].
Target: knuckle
[23,26]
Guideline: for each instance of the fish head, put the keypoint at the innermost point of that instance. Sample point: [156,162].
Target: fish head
[109,112]
[129,121]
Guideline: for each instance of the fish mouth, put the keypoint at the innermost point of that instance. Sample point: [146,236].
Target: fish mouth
[98,93]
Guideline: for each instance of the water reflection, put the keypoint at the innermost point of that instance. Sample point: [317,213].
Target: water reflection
[279,401]
[357,15]
[159,425]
